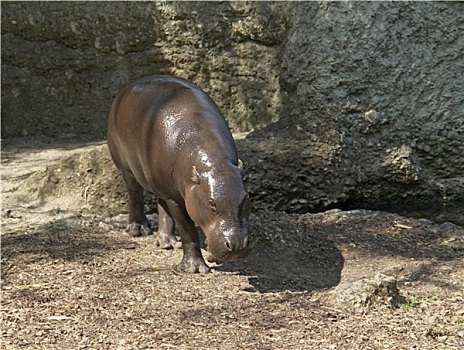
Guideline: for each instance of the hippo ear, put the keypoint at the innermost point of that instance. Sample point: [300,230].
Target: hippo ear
[240,164]
[195,175]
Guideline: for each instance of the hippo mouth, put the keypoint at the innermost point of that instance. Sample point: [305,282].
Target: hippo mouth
[232,256]
[223,252]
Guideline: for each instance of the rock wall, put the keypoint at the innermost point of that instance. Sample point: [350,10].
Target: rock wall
[63,62]
[352,103]
[374,107]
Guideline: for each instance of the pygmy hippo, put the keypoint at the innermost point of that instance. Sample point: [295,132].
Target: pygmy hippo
[168,137]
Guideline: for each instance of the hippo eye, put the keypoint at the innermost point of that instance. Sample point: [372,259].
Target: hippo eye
[212,206]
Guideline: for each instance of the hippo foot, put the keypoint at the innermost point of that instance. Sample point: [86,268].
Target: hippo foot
[168,242]
[137,230]
[193,266]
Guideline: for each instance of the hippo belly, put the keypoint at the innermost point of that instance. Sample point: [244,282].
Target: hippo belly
[168,137]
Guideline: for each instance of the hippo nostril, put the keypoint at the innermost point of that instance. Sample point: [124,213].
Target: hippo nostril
[246,242]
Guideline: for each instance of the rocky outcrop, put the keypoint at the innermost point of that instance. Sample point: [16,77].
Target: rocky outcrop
[353,104]
[374,108]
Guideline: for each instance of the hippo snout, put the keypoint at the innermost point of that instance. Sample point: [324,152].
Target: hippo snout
[232,246]
[237,245]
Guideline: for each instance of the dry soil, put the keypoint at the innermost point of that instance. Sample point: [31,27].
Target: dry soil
[73,279]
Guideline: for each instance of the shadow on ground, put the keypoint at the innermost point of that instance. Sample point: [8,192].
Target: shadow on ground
[304,252]
[292,253]
[61,238]
[380,233]
[271,269]
[289,256]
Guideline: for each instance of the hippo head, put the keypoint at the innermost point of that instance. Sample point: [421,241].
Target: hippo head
[218,203]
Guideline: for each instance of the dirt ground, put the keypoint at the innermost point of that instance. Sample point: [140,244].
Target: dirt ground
[72,278]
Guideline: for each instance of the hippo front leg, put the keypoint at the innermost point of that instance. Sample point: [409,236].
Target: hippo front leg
[192,260]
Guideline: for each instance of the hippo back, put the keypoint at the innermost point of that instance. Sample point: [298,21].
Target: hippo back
[163,125]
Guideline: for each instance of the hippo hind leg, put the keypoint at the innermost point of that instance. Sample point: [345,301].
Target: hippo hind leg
[138,222]
[166,238]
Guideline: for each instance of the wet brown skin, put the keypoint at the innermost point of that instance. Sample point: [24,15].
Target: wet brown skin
[168,137]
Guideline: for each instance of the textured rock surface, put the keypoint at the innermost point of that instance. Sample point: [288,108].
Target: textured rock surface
[380,289]
[353,103]
[62,63]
